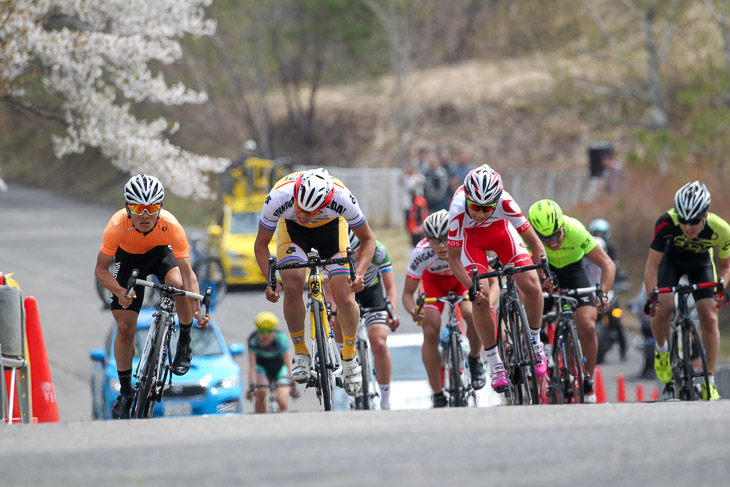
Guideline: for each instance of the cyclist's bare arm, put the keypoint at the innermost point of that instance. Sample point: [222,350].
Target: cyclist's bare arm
[538,250]
[366,252]
[101,271]
[608,271]
[409,303]
[190,283]
[651,269]
[460,272]
[391,290]
[723,270]
[261,251]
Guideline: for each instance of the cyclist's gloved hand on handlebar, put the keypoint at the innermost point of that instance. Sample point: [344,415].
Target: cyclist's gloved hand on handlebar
[648,307]
[202,322]
[126,302]
[357,285]
[271,295]
[394,322]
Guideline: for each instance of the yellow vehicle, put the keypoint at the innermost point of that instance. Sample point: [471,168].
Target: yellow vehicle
[231,240]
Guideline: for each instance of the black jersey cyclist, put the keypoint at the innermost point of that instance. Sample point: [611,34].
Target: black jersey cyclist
[270,362]
[684,239]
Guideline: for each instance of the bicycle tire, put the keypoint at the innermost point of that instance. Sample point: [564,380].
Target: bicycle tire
[675,362]
[323,373]
[555,393]
[457,386]
[686,386]
[143,392]
[362,400]
[528,386]
[704,373]
[576,367]
[506,348]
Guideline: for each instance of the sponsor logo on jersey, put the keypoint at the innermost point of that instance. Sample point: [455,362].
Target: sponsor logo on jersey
[280,210]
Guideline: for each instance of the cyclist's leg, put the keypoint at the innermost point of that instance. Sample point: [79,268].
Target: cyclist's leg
[529,285]
[262,391]
[476,366]
[378,337]
[709,331]
[431,326]
[283,389]
[585,321]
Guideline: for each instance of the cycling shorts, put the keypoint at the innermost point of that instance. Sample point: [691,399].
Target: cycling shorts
[697,267]
[157,261]
[499,237]
[370,297]
[293,241]
[436,286]
[572,276]
[274,373]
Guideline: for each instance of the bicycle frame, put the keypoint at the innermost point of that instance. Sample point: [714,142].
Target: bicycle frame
[457,379]
[365,399]
[513,334]
[684,328]
[326,363]
[152,374]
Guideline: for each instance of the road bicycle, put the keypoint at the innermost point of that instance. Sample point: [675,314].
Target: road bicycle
[514,340]
[566,367]
[457,376]
[154,370]
[366,398]
[272,404]
[326,363]
[685,343]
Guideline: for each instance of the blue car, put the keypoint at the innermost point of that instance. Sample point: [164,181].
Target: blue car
[213,385]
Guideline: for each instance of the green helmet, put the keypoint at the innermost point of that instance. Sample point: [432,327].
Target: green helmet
[546,216]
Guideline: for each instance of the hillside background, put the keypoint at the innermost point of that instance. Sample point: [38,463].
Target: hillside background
[519,84]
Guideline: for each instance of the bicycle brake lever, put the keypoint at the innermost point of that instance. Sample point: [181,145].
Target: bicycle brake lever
[205,304]
[131,282]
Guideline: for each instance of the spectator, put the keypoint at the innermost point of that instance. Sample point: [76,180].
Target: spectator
[460,169]
[412,182]
[421,160]
[613,172]
[445,161]
[436,188]
[416,214]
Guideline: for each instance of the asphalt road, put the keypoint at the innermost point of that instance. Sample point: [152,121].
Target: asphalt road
[51,243]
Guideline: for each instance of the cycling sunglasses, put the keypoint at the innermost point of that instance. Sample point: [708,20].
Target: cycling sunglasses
[476,207]
[313,212]
[437,241]
[551,238]
[140,209]
[693,221]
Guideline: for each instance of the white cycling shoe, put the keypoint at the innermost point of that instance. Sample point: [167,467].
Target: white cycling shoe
[301,368]
[352,375]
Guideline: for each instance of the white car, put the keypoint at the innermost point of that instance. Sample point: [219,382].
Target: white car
[409,387]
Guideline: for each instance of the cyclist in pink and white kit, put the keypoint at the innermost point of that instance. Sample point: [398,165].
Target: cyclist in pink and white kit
[484,217]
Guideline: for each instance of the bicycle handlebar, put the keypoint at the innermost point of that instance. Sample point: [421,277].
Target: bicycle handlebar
[451,298]
[684,289]
[170,290]
[508,270]
[313,262]
[596,290]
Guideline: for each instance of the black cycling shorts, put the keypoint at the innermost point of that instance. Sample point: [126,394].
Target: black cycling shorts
[697,268]
[372,297]
[573,276]
[157,261]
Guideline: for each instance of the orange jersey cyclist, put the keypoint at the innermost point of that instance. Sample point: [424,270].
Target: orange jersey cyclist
[684,239]
[483,217]
[144,236]
[314,210]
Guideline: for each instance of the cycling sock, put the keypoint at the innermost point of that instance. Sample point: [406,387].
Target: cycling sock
[663,349]
[339,347]
[185,333]
[711,378]
[384,396]
[348,348]
[300,347]
[535,335]
[493,357]
[125,382]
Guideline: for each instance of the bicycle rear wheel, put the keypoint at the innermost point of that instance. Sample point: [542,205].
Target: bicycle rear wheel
[527,388]
[362,400]
[576,368]
[325,384]
[703,373]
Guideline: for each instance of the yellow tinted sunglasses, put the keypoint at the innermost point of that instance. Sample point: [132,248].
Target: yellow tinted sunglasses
[140,209]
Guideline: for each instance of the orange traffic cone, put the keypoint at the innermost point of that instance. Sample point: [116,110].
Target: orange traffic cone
[43,396]
[598,385]
[640,393]
[654,394]
[621,389]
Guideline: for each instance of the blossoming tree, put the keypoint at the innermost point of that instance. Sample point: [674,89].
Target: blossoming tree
[94,56]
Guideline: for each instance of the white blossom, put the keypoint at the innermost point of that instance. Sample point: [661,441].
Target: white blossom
[99,66]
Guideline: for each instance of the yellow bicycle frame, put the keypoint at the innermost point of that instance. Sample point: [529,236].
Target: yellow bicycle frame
[316,292]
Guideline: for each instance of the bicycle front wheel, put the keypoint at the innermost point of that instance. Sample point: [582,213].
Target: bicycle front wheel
[324,374]
[456,358]
[702,373]
[144,398]
[576,368]
[362,401]
[527,389]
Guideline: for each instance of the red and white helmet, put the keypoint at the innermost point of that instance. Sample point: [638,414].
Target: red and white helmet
[483,185]
[314,190]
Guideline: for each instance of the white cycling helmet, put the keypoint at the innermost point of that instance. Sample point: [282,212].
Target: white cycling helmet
[483,185]
[600,225]
[436,225]
[692,201]
[143,189]
[314,190]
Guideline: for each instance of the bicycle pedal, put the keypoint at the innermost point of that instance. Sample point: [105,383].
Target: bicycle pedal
[339,382]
